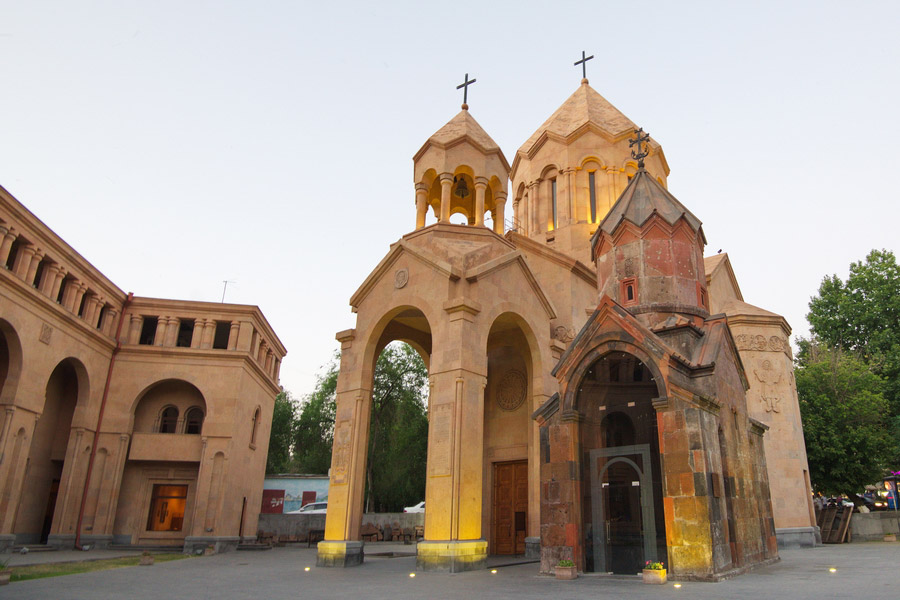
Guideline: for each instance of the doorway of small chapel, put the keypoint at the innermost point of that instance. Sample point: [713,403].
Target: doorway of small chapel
[510,507]
[624,524]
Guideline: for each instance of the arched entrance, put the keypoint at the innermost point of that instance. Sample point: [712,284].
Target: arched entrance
[623,518]
[10,362]
[47,454]
[507,436]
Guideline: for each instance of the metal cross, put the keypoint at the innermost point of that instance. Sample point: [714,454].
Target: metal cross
[583,63]
[640,154]
[465,84]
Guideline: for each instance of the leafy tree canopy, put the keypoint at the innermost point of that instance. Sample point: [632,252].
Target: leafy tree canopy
[844,415]
[280,440]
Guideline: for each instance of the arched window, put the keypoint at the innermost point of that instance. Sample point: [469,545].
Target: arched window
[193,420]
[256,416]
[168,420]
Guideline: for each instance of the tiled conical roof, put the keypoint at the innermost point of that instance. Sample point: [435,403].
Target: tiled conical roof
[643,197]
[461,126]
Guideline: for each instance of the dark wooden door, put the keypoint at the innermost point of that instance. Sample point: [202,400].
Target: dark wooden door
[510,508]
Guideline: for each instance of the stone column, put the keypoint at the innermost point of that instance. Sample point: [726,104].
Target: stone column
[171,338]
[90,306]
[48,278]
[499,212]
[134,329]
[533,209]
[161,327]
[570,194]
[611,191]
[77,294]
[23,261]
[7,236]
[421,204]
[233,335]
[480,186]
[107,327]
[197,336]
[261,355]
[270,356]
[446,185]
[36,259]
[59,277]
[209,333]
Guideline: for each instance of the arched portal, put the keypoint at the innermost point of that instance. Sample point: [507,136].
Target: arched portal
[507,436]
[10,362]
[65,388]
[622,509]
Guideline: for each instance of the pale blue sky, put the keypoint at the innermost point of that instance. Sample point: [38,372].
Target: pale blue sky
[179,144]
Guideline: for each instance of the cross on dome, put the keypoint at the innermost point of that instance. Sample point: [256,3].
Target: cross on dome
[583,63]
[641,139]
[465,85]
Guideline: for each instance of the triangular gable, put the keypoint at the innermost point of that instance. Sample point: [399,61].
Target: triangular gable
[719,339]
[392,256]
[718,270]
[532,247]
[513,258]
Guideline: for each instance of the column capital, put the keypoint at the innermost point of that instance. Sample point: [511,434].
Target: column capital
[481,181]
[421,187]
[448,177]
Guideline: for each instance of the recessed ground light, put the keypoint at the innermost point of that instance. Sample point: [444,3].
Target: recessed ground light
[306,568]
[493,571]
[832,570]
[412,574]
[677,585]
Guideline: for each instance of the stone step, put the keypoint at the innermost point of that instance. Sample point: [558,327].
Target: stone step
[34,548]
[254,547]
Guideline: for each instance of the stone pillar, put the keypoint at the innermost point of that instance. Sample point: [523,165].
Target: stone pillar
[277,372]
[209,333]
[59,277]
[611,192]
[197,336]
[233,335]
[161,328]
[261,355]
[446,188]
[534,195]
[171,338]
[421,204]
[91,307]
[499,212]
[36,259]
[23,261]
[570,195]
[77,294]
[107,327]
[270,357]
[134,329]
[480,186]
[48,277]
[7,236]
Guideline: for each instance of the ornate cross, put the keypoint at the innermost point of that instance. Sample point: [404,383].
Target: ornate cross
[583,63]
[465,84]
[642,138]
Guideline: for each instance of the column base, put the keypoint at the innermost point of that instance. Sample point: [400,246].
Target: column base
[344,553]
[798,537]
[532,547]
[211,544]
[452,556]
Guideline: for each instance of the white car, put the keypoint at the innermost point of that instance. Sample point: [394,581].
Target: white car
[420,507]
[313,508]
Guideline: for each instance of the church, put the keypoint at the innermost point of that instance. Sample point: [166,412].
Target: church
[599,391]
[124,420]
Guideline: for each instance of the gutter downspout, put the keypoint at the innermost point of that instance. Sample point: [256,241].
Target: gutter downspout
[90,467]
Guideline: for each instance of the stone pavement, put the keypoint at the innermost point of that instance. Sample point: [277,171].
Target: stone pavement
[865,570]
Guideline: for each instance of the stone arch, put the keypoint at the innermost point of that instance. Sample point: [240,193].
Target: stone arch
[514,312]
[395,324]
[147,409]
[38,516]
[10,362]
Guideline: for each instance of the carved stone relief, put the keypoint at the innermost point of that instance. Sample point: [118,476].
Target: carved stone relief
[401,278]
[563,333]
[341,461]
[46,332]
[762,343]
[769,378]
[511,391]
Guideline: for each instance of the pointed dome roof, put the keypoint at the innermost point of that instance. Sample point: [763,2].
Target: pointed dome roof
[460,127]
[584,106]
[643,197]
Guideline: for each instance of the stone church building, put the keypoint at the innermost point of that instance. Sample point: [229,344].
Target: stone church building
[123,419]
[598,390]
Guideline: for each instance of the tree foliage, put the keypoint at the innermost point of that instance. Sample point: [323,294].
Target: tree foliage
[280,439]
[844,416]
[398,430]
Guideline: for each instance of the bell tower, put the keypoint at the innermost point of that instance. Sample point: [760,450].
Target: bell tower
[461,170]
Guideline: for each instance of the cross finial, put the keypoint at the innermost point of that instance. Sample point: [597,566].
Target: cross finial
[465,85]
[583,63]
[642,138]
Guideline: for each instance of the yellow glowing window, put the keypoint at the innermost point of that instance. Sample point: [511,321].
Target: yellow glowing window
[167,508]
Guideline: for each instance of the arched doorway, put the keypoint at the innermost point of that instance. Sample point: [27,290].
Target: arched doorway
[624,524]
[47,455]
[507,436]
[10,362]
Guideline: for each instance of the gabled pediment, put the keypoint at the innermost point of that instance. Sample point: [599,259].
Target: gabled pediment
[514,260]
[397,250]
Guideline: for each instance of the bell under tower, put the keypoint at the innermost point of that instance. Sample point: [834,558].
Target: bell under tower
[461,170]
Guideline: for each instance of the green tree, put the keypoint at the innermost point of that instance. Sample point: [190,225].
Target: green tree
[844,414]
[314,426]
[862,315]
[281,438]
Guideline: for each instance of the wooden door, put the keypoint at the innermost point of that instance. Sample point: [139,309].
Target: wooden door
[510,509]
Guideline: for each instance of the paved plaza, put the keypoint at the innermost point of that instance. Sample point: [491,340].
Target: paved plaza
[864,570]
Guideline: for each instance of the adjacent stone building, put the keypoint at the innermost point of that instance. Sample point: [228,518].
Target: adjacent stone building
[588,383]
[124,420]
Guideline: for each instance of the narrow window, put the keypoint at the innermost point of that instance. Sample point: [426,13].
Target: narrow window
[62,289]
[223,331]
[185,333]
[592,185]
[168,421]
[82,305]
[13,252]
[103,310]
[255,428]
[553,197]
[629,291]
[167,508]
[148,330]
[193,420]
[38,273]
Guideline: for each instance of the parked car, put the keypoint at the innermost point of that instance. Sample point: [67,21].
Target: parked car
[313,508]
[420,507]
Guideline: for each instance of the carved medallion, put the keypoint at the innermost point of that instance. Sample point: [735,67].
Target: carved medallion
[563,334]
[401,278]
[511,391]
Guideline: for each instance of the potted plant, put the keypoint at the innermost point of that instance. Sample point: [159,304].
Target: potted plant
[5,571]
[654,572]
[565,569]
